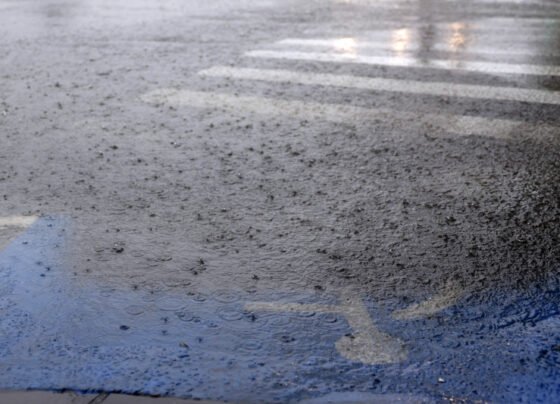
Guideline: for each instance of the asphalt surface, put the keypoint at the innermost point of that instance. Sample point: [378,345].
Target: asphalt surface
[281,201]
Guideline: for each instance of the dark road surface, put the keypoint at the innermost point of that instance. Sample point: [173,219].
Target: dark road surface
[281,201]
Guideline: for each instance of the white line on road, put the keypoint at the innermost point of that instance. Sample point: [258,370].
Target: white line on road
[392,85]
[291,307]
[428,307]
[436,125]
[480,67]
[380,45]
[366,344]
[11,226]
[17,221]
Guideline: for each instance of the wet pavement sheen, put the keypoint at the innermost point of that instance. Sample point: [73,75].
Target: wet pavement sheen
[271,201]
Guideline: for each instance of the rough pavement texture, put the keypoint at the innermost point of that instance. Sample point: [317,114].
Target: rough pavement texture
[304,203]
[170,199]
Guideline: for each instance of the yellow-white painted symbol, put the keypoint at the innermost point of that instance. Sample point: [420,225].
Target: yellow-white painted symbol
[428,307]
[12,226]
[366,344]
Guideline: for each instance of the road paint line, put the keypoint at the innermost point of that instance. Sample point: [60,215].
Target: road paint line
[402,61]
[391,85]
[367,344]
[436,125]
[17,221]
[428,307]
[291,307]
[12,226]
[380,45]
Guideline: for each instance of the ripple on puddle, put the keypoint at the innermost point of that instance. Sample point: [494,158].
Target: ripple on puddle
[329,318]
[225,296]
[184,315]
[250,345]
[229,314]
[170,303]
[199,297]
[134,310]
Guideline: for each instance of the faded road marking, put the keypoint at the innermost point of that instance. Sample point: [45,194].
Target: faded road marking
[428,307]
[366,344]
[436,125]
[11,226]
[402,61]
[291,307]
[17,221]
[392,85]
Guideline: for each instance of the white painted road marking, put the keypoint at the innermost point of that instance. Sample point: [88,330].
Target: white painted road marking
[381,84]
[380,45]
[292,307]
[428,307]
[11,226]
[437,125]
[17,221]
[367,344]
[402,61]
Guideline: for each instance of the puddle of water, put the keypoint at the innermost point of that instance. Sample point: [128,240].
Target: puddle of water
[56,333]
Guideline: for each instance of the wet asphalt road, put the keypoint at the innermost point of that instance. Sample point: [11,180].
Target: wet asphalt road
[305,196]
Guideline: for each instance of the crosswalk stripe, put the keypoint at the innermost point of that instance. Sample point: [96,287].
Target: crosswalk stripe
[381,84]
[436,124]
[481,67]
[471,48]
[17,221]
[11,226]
